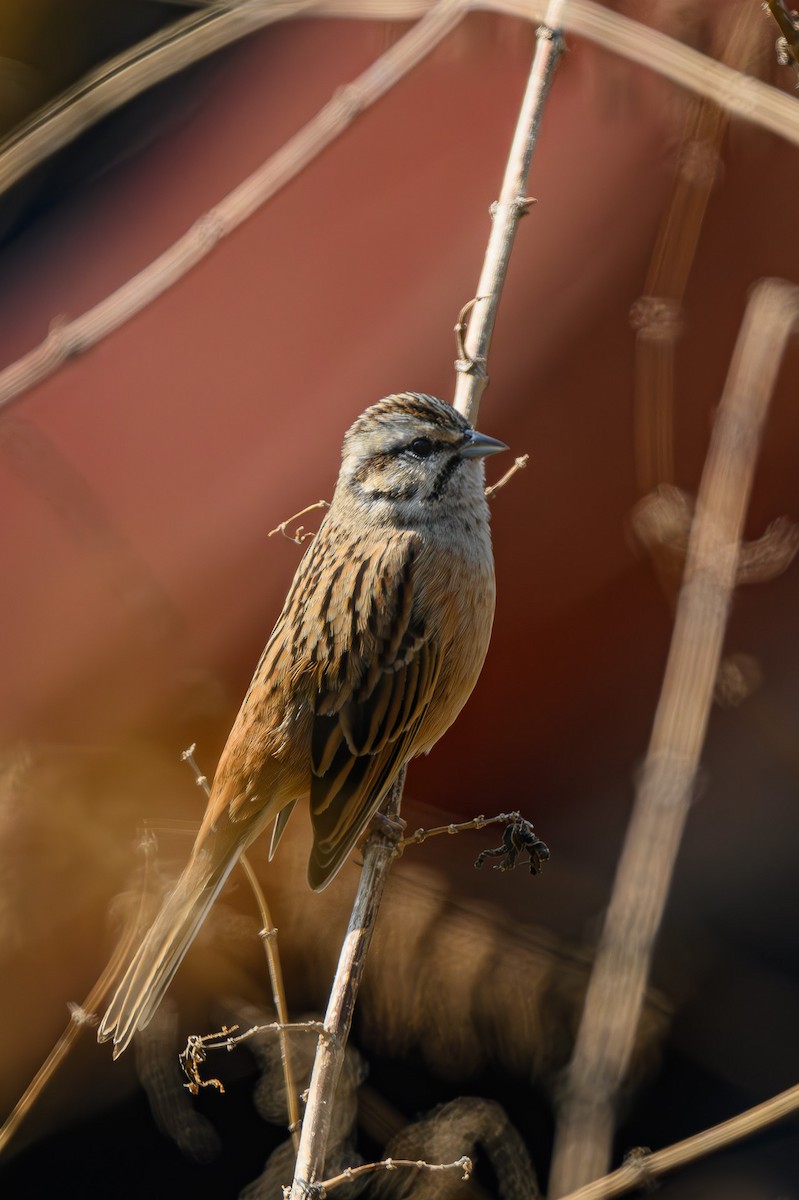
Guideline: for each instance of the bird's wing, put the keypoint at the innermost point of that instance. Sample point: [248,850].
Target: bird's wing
[370,700]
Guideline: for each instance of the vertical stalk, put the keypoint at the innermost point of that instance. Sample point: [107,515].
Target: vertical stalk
[513,203]
[616,989]
[379,853]
[471,383]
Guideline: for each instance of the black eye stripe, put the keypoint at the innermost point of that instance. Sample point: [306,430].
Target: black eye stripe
[421,447]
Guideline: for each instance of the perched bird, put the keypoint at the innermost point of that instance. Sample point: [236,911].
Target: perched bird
[380,642]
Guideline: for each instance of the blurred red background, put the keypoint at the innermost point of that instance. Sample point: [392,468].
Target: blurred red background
[139,483]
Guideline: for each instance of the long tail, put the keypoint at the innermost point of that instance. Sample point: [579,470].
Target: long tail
[163,949]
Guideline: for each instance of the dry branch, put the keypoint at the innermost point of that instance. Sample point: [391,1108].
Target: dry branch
[657,315]
[197,36]
[80,1016]
[513,203]
[616,989]
[68,338]
[268,934]
[381,850]
[151,61]
[641,1167]
[463,1164]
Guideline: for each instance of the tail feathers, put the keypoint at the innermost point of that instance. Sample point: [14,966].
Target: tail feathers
[163,949]
[279,827]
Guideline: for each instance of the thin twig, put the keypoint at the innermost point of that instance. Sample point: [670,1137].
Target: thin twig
[80,1016]
[642,1167]
[125,76]
[463,1164]
[268,935]
[227,1038]
[68,338]
[197,36]
[616,989]
[421,835]
[380,851]
[513,203]
[657,315]
[518,465]
[301,534]
[742,96]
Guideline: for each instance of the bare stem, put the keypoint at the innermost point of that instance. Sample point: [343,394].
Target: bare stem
[300,534]
[147,63]
[380,851]
[616,989]
[642,1167]
[518,465]
[513,203]
[80,1016]
[269,939]
[463,1164]
[194,38]
[227,1038]
[68,338]
[421,835]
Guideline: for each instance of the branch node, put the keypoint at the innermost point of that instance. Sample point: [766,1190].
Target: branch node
[63,338]
[350,101]
[462,323]
[79,1015]
[637,1162]
[544,33]
[209,229]
[657,317]
[471,366]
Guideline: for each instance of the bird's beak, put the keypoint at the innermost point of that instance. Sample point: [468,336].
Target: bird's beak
[477,445]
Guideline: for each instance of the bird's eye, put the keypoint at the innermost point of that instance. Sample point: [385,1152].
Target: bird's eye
[421,447]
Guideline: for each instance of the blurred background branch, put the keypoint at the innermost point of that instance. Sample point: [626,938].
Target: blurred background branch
[192,430]
[602,1052]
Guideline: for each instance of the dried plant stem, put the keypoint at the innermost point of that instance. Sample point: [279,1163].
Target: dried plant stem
[421,835]
[196,1052]
[300,534]
[518,465]
[643,1167]
[382,849]
[656,316]
[84,1015]
[464,1165]
[128,74]
[193,38]
[615,993]
[67,338]
[740,95]
[269,938]
[80,1017]
[513,203]
[379,853]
